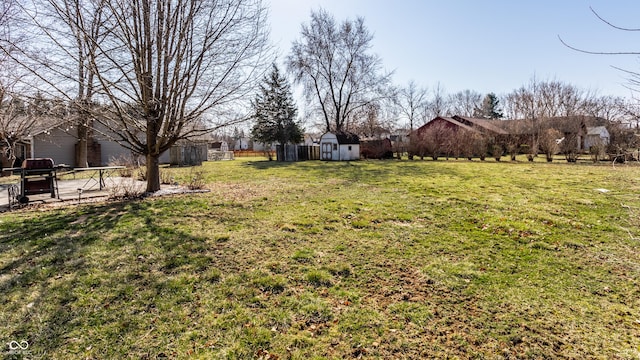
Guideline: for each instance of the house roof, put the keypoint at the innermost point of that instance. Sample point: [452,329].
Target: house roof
[564,124]
[445,119]
[487,125]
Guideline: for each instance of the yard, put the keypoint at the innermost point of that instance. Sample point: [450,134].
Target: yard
[372,259]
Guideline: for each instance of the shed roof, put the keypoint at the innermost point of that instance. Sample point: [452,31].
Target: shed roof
[345,137]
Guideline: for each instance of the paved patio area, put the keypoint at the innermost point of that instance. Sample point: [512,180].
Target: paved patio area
[68,190]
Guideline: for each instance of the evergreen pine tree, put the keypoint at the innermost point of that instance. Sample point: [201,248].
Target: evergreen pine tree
[490,108]
[275,112]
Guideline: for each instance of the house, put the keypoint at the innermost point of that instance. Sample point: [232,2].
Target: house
[260,146]
[482,126]
[242,143]
[339,146]
[441,122]
[311,139]
[596,135]
[59,142]
[572,128]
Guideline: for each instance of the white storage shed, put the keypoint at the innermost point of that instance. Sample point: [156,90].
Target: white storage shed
[339,146]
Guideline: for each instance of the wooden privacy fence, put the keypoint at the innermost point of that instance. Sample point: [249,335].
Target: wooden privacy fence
[251,153]
[188,155]
[297,152]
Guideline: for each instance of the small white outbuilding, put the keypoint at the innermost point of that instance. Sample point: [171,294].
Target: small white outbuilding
[598,135]
[339,146]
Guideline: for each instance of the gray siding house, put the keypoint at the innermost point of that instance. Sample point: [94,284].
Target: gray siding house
[59,143]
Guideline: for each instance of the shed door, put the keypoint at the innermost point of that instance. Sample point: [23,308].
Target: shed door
[326,151]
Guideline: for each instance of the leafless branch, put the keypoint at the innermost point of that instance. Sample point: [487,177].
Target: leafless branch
[597,52]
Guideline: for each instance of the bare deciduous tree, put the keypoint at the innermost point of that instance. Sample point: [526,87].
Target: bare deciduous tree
[411,101]
[162,70]
[465,103]
[633,76]
[175,62]
[9,10]
[610,108]
[16,122]
[438,105]
[63,35]
[539,101]
[334,64]
[546,99]
[369,122]
[84,23]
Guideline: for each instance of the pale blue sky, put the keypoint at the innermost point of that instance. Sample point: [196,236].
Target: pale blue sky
[487,46]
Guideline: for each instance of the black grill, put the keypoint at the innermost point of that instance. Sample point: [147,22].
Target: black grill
[38,176]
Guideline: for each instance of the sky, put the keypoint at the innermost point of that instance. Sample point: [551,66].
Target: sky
[487,46]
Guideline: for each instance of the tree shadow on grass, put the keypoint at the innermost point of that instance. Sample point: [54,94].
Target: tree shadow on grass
[66,275]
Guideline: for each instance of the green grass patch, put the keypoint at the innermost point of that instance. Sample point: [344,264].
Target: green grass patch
[371,259]
[318,277]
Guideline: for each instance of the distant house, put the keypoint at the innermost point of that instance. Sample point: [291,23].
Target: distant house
[260,146]
[573,128]
[311,139]
[483,126]
[242,144]
[400,136]
[339,146]
[596,135]
[580,130]
[444,122]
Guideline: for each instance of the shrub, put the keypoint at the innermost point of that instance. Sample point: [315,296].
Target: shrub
[597,152]
[497,152]
[197,181]
[127,188]
[166,178]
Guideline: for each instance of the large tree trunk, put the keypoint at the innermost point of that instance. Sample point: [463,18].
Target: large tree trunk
[81,155]
[153,173]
